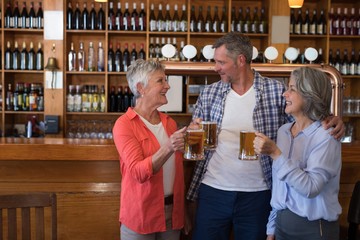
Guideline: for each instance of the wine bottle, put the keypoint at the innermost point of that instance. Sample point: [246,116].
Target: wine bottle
[119,17]
[175,20]
[337,62]
[176,56]
[93,20]
[321,24]
[77,99]
[102,99]
[200,27]
[9,20]
[181,54]
[40,98]
[306,23]
[208,20]
[337,23]
[133,54]
[358,65]
[240,23]
[112,100]
[168,19]
[343,23]
[158,54]
[24,57]
[255,21]
[142,18]
[118,59]
[72,58]
[263,22]
[69,17]
[96,99]
[32,16]
[142,54]
[247,21]
[216,26]
[77,17]
[151,48]
[153,22]
[91,57]
[160,21]
[299,23]
[9,98]
[126,57]
[351,23]
[126,18]
[126,99]
[33,106]
[331,59]
[101,18]
[223,21]
[234,19]
[331,21]
[40,17]
[85,18]
[292,21]
[85,103]
[100,58]
[313,23]
[16,19]
[119,99]
[8,57]
[81,57]
[111,17]
[193,21]
[111,58]
[352,64]
[134,19]
[320,57]
[17,96]
[70,99]
[26,93]
[39,58]
[345,63]
[24,17]
[16,57]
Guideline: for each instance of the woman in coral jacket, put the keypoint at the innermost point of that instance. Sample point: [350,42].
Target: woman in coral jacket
[150,150]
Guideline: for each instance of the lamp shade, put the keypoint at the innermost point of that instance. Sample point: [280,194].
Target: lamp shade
[100,0]
[296,3]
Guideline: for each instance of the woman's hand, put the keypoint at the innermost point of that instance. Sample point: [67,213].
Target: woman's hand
[176,140]
[266,146]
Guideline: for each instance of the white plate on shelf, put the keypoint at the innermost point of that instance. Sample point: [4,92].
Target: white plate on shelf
[208,52]
[168,50]
[255,53]
[271,53]
[291,54]
[311,54]
[189,51]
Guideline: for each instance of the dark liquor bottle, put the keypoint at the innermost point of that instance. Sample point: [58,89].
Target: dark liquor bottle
[126,18]
[292,21]
[119,17]
[152,19]
[208,20]
[331,59]
[331,22]
[16,19]
[69,17]
[157,48]
[263,22]
[134,19]
[111,17]
[255,21]
[321,24]
[31,57]
[40,17]
[126,58]
[151,48]
[9,99]
[39,58]
[351,23]
[111,58]
[77,17]
[233,19]
[126,99]
[298,23]
[142,18]
[168,20]
[219,25]
[160,21]
[40,98]
[358,65]
[200,27]
[240,24]
[193,21]
[175,20]
[8,57]
[133,54]
[24,58]
[223,21]
[352,64]
[92,20]
[118,59]
[142,54]
[101,18]
[18,98]
[337,23]
[306,23]
[16,57]
[119,99]
[24,17]
[337,62]
[8,23]
[313,23]
[112,100]
[85,18]
[343,23]
[345,63]
[25,101]
[32,16]
[320,58]
[247,21]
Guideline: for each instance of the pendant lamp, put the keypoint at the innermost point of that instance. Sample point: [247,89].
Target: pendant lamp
[296,3]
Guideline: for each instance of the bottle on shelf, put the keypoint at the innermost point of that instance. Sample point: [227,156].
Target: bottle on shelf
[351,23]
[91,57]
[24,57]
[119,99]
[345,63]
[134,19]
[142,18]
[263,22]
[152,19]
[101,18]
[337,61]
[102,99]
[157,48]
[208,20]
[8,23]
[200,27]
[216,26]
[9,99]
[233,20]
[69,17]
[77,17]
[313,23]
[77,99]
[168,25]
[16,57]
[40,17]
[26,93]
[223,21]
[181,55]
[352,64]
[126,57]
[118,59]
[111,17]
[119,17]
[40,98]
[151,48]
[81,57]
[85,102]
[17,98]
[133,54]
[175,20]
[247,21]
[255,21]
[92,18]
[358,64]
[72,58]
[292,21]
[95,106]
[320,58]
[321,24]
[126,18]
[39,58]
[337,23]
[160,21]
[331,59]
[8,57]
[33,106]
[24,17]
[70,99]
[100,58]
[32,17]
[240,24]
[142,54]
[298,23]
[85,17]
[112,100]
[331,21]
[111,58]
[126,101]
[16,19]
[306,23]
[193,21]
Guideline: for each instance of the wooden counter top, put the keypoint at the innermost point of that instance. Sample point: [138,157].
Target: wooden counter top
[57,149]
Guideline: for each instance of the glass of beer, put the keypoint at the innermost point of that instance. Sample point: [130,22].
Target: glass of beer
[210,138]
[194,144]
[247,151]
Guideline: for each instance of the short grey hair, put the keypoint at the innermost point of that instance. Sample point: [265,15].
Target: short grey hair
[315,88]
[139,71]
[236,44]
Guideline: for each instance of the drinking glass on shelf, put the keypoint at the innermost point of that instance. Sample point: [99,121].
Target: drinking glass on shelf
[79,130]
[71,129]
[109,126]
[86,132]
[93,130]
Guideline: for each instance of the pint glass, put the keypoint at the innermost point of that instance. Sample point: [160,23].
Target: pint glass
[247,151]
[194,144]
[210,138]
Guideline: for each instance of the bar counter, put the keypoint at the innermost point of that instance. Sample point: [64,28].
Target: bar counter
[85,175]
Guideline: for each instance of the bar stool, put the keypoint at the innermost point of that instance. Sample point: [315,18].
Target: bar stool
[354,213]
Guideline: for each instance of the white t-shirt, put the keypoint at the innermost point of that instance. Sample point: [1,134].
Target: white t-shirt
[225,171]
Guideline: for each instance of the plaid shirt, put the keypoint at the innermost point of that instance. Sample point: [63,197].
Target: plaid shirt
[268,116]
